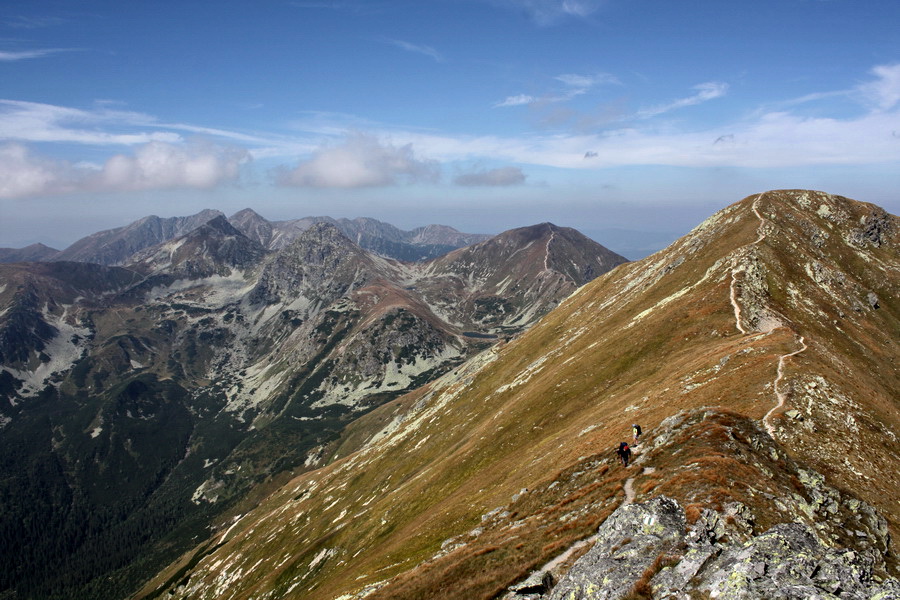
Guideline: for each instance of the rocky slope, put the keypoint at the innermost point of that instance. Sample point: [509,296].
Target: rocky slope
[142,401]
[779,311]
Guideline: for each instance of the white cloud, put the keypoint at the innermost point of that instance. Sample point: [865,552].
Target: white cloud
[884,92]
[494,177]
[156,165]
[22,174]
[705,92]
[360,161]
[160,165]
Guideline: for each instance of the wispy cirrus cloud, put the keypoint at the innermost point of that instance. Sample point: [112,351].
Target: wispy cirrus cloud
[31,22]
[550,12]
[883,91]
[517,100]
[415,48]
[783,138]
[704,93]
[12,56]
[38,122]
[573,85]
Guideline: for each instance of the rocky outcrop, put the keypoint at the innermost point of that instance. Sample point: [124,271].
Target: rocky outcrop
[630,543]
[649,550]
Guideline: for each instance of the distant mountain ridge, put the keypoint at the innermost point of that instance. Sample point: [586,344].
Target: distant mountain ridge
[32,253]
[119,245]
[115,246]
[422,243]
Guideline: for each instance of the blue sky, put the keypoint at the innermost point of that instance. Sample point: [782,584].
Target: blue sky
[644,115]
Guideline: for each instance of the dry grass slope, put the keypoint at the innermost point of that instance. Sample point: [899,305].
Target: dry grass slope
[423,509]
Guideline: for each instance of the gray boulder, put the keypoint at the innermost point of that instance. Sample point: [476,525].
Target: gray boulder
[649,551]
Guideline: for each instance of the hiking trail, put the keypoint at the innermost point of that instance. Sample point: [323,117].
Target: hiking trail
[629,491]
[780,395]
[590,541]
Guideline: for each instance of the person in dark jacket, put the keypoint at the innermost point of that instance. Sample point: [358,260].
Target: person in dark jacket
[624,453]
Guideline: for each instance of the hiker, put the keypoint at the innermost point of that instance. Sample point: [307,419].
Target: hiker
[636,433]
[624,453]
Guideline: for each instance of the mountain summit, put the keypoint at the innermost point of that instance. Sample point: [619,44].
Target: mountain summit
[759,354]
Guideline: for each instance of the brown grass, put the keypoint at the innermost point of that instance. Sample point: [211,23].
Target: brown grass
[692,512]
[642,590]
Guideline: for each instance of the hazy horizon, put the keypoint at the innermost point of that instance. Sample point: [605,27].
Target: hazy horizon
[483,115]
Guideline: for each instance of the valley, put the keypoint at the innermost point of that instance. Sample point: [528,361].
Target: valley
[157,394]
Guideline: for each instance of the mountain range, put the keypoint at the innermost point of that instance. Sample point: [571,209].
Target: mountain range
[146,399]
[117,246]
[759,353]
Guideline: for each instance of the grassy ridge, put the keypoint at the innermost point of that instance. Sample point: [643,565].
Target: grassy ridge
[639,344]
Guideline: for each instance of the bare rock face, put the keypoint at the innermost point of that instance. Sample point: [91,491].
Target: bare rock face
[629,542]
[648,550]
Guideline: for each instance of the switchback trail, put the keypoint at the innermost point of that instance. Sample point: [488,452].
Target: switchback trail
[780,395]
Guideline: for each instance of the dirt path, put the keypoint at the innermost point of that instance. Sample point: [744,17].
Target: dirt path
[629,491]
[547,251]
[782,396]
[761,231]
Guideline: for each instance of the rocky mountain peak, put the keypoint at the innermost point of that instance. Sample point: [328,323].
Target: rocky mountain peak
[218,225]
[213,248]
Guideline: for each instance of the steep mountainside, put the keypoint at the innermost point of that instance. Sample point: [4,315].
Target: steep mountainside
[781,311]
[503,280]
[142,401]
